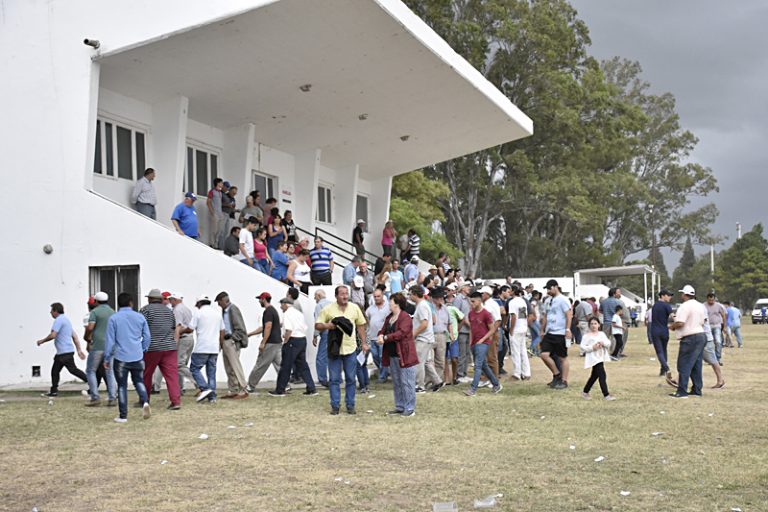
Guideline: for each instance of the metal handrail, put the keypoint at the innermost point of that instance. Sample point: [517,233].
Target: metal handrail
[365,252]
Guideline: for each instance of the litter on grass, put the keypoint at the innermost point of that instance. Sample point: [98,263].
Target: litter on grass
[203,437]
[249,424]
[488,501]
[625,493]
[572,447]
[162,462]
[445,506]
[231,426]
[657,434]
[600,459]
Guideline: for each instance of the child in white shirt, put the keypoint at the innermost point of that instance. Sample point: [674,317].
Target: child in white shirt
[595,345]
[617,330]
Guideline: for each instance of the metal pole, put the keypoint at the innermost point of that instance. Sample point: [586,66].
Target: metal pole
[645,287]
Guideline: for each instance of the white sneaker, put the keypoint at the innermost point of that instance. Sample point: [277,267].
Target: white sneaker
[146,411]
[203,395]
[465,380]
[121,420]
[85,393]
[484,383]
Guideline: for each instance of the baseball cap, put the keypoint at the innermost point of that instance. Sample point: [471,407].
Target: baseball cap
[415,259]
[91,300]
[101,297]
[486,289]
[264,295]
[550,284]
[286,300]
[452,287]
[203,298]
[688,290]
[166,294]
[190,195]
[155,293]
[226,184]
[176,295]
[360,221]
[664,291]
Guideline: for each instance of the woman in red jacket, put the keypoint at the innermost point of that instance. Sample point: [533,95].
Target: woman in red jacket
[399,353]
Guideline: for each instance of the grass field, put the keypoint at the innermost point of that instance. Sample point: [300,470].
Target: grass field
[535,446]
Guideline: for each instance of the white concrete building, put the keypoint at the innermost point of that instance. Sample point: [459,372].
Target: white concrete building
[318,103]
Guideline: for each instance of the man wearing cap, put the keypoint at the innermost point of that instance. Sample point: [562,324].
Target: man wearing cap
[412,273]
[184,217]
[294,350]
[208,326]
[441,327]
[162,350]
[689,328]
[555,325]
[328,320]
[659,328]
[96,335]
[270,348]
[127,340]
[144,196]
[217,219]
[185,341]
[424,336]
[235,338]
[66,343]
[357,237]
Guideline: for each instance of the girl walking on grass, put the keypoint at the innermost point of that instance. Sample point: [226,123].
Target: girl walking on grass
[596,345]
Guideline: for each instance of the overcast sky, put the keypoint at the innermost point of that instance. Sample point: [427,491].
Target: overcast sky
[713,56]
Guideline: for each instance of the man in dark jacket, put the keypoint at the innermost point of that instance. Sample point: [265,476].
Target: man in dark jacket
[235,338]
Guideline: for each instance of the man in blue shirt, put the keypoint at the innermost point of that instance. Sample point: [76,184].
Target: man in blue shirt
[608,309]
[733,321]
[280,260]
[184,217]
[322,264]
[660,331]
[127,339]
[557,334]
[66,343]
[350,271]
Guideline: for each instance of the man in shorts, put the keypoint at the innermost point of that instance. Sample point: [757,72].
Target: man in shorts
[555,325]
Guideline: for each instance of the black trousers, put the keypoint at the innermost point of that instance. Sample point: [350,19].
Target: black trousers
[294,352]
[321,279]
[598,373]
[61,361]
[619,344]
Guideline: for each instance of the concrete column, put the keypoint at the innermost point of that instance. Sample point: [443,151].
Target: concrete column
[237,158]
[307,172]
[346,202]
[168,158]
[378,205]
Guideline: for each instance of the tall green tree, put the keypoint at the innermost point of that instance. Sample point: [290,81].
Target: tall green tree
[742,269]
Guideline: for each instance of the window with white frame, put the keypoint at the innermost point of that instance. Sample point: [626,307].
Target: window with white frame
[324,204]
[114,280]
[265,184]
[201,169]
[120,150]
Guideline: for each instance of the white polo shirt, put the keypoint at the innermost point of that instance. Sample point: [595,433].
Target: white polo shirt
[207,323]
[294,321]
[693,315]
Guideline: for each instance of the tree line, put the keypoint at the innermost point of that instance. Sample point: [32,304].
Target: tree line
[606,175]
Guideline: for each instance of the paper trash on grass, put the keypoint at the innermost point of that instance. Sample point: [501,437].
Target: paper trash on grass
[625,493]
[231,426]
[249,424]
[488,501]
[163,462]
[543,417]
[711,414]
[445,506]
[203,437]
[657,434]
[572,447]
[371,396]
[369,411]
[735,509]
[600,459]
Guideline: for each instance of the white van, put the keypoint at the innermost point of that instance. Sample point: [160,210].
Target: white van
[757,311]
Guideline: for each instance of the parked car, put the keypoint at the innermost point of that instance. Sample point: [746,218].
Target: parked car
[760,311]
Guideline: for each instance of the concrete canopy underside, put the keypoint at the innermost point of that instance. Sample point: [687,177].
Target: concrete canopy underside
[629,270]
[369,58]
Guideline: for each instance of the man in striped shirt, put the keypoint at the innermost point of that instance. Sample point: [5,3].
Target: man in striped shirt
[322,264]
[162,350]
[414,244]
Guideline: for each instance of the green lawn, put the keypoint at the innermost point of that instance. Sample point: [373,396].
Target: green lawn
[535,446]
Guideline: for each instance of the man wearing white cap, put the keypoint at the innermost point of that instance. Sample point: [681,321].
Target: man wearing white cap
[185,342]
[357,237]
[96,334]
[689,327]
[208,325]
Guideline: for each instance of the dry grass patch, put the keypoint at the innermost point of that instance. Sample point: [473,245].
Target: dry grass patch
[711,456]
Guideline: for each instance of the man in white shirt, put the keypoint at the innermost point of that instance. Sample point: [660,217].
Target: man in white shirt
[517,310]
[689,327]
[208,325]
[295,332]
[144,196]
[246,242]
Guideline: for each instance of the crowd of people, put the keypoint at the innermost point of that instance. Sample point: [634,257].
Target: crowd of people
[431,331]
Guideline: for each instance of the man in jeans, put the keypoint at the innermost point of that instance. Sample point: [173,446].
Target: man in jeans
[96,334]
[347,358]
[185,343]
[718,317]
[66,343]
[127,339]
[294,350]
[162,351]
[424,336]
[208,325]
[270,348]
[320,340]
[689,327]
[376,315]
[734,322]
[482,327]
